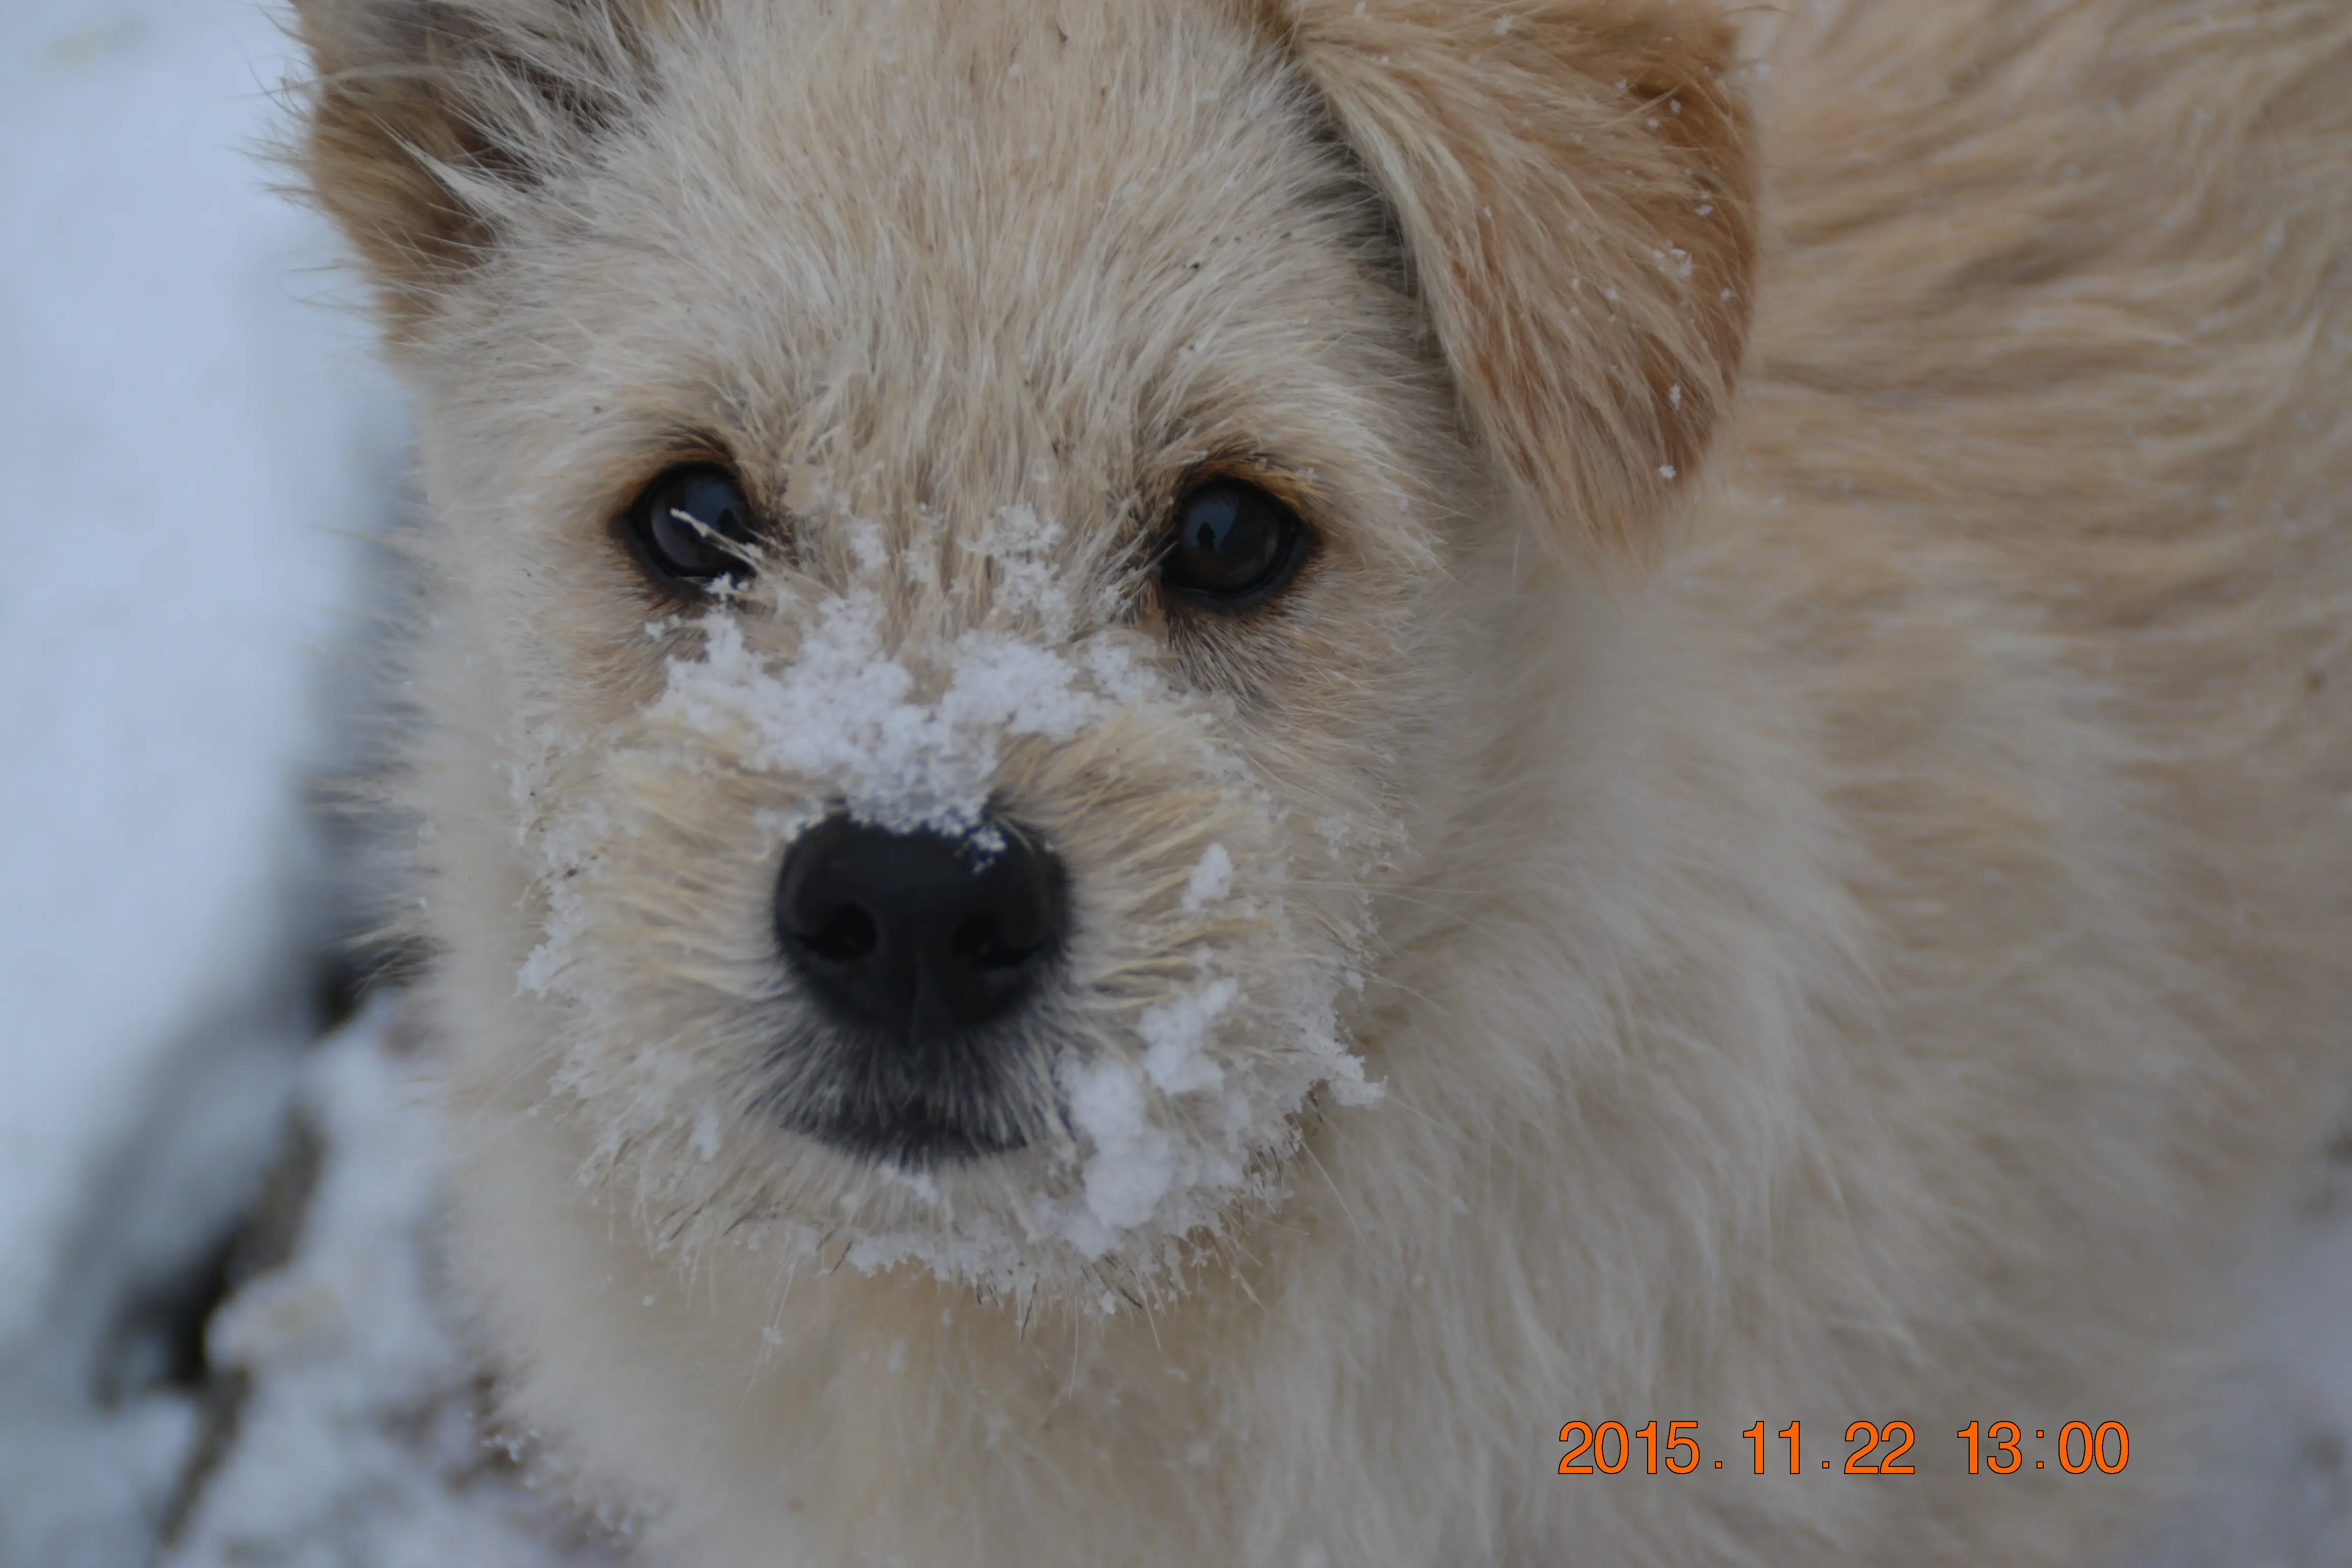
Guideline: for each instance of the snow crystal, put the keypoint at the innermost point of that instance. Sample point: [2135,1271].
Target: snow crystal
[1213,879]
[1019,545]
[1134,1163]
[845,712]
[1177,1035]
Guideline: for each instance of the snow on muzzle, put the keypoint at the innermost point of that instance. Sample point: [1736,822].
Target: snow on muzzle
[1137,1078]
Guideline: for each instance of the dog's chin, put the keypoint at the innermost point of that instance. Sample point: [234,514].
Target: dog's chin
[910,1135]
[944,1103]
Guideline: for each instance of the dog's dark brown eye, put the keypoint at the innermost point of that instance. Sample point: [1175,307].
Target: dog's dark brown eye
[692,525]
[1234,545]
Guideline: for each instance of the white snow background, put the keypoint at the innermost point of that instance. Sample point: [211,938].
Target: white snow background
[193,442]
[192,438]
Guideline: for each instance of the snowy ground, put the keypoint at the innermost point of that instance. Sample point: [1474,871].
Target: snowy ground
[346,1430]
[189,434]
[220,1341]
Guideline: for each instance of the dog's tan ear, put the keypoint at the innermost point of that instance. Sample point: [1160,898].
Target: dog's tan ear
[428,118]
[1575,182]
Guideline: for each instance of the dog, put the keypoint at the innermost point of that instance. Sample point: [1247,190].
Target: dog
[1179,770]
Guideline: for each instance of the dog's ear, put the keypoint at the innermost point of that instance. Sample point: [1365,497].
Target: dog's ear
[427,118]
[1575,185]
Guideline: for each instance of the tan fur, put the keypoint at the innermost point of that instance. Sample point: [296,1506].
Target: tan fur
[1857,970]
[1575,185]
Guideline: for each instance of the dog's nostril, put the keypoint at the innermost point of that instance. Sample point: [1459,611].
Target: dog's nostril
[982,941]
[848,932]
[918,935]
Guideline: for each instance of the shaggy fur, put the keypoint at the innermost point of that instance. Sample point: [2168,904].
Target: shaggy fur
[1786,859]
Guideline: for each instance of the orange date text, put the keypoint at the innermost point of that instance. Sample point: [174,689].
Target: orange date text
[1871,1448]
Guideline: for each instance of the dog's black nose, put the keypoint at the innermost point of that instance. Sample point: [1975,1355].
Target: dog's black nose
[918,935]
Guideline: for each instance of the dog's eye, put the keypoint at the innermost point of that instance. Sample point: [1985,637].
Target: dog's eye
[693,525]
[1234,545]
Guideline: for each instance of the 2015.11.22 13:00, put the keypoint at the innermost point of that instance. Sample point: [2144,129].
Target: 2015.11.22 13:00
[1611,1448]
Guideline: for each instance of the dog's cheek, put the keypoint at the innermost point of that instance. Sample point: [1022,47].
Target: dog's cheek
[650,984]
[1366,702]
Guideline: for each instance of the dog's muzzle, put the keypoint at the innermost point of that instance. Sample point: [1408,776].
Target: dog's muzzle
[919,949]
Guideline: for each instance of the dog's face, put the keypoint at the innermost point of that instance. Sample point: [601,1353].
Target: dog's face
[947,545]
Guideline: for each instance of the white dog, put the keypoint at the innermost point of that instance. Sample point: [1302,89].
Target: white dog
[1180,763]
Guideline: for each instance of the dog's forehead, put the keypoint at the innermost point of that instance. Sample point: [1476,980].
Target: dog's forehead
[980,235]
